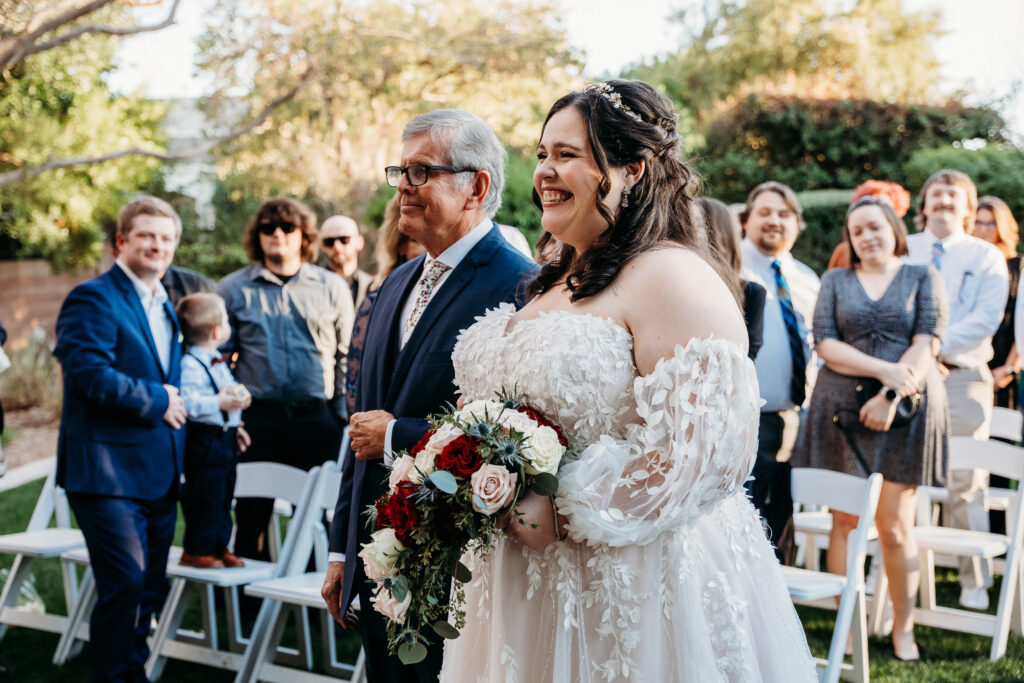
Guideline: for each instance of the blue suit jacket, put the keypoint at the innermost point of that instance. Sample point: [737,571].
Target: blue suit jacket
[417,380]
[113,440]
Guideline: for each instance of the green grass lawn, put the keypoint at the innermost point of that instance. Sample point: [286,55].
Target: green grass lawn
[947,656]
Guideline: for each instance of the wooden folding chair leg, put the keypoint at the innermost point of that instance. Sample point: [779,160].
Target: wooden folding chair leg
[12,588]
[266,634]
[927,589]
[170,619]
[859,672]
[70,643]
[879,603]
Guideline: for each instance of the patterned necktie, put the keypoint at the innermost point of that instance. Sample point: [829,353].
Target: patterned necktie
[937,251]
[798,380]
[426,284]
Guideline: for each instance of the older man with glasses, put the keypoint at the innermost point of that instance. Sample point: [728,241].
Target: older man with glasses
[290,327]
[449,188]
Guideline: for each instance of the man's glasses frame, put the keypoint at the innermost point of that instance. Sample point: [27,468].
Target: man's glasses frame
[329,241]
[269,229]
[419,174]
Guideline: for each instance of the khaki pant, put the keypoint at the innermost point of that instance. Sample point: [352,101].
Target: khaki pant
[970,412]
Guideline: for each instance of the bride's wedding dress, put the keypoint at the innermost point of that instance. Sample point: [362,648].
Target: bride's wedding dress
[666,574]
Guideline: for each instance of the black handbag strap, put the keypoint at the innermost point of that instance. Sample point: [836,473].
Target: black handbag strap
[851,440]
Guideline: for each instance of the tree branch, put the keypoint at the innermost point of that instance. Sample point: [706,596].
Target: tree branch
[96,28]
[51,164]
[14,49]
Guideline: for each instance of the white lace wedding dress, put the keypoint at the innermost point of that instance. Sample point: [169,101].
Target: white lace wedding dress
[666,574]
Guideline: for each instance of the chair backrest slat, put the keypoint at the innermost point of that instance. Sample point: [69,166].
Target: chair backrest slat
[1006,424]
[843,492]
[270,480]
[996,457]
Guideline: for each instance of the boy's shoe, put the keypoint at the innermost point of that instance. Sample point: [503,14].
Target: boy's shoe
[231,560]
[200,561]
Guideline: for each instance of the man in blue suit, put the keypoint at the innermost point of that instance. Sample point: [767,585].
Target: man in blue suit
[121,447]
[449,187]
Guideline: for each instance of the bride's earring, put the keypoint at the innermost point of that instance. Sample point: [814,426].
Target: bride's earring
[625,195]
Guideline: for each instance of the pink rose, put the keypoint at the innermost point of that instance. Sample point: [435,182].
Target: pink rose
[444,435]
[494,486]
[520,422]
[400,471]
[385,603]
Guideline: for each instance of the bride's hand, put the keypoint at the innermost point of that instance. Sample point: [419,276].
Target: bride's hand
[461,403]
[536,510]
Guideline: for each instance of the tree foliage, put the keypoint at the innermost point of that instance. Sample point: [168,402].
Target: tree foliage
[867,49]
[374,66]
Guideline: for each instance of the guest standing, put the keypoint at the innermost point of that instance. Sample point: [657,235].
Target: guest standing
[976,280]
[880,319]
[290,325]
[342,241]
[772,220]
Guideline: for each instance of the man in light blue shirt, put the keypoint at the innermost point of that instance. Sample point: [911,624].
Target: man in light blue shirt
[772,221]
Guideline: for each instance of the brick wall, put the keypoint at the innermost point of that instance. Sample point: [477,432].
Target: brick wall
[30,296]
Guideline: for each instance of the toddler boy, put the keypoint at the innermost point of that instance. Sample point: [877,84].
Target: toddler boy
[213,436]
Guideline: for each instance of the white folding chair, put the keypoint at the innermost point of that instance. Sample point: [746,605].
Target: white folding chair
[254,480]
[1008,461]
[35,543]
[1006,424]
[854,496]
[297,587]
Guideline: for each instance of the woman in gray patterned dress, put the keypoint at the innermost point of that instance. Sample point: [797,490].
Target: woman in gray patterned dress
[880,319]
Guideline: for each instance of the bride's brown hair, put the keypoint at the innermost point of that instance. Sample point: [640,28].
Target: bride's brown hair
[629,121]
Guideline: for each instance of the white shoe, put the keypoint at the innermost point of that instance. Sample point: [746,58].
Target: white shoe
[974,598]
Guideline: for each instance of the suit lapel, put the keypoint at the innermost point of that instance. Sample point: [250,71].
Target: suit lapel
[132,299]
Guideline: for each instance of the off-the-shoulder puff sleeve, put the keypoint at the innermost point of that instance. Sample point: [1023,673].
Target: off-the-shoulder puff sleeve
[932,304]
[825,326]
[694,447]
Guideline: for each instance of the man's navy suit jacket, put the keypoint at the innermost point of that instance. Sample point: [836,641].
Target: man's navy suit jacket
[113,440]
[417,380]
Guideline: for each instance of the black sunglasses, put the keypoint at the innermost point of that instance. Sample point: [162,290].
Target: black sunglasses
[329,241]
[270,228]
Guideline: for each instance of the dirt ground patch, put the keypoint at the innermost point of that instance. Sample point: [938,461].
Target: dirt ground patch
[35,435]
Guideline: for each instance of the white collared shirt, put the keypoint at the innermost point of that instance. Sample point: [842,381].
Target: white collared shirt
[977,284]
[774,362]
[153,306]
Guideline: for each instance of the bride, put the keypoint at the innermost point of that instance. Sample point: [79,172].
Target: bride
[649,564]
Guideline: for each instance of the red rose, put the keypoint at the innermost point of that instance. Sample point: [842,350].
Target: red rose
[402,512]
[539,419]
[383,512]
[460,457]
[421,444]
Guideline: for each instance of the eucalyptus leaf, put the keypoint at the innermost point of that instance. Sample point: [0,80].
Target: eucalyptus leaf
[445,630]
[444,481]
[412,653]
[545,484]
[479,502]
[399,588]
[462,573]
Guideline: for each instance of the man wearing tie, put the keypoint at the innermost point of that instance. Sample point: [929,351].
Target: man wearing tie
[772,220]
[449,187]
[977,284]
[120,451]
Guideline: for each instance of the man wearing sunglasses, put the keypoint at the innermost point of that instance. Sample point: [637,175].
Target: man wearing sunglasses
[341,242]
[449,188]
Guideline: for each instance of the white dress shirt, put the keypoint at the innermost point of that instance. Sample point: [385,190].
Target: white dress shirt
[977,284]
[451,257]
[153,306]
[774,362]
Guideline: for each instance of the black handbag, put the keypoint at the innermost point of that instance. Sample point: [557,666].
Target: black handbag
[867,388]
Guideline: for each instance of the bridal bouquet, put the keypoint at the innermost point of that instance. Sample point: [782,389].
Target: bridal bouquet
[445,497]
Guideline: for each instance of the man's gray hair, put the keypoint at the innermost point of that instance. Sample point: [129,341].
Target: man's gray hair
[470,143]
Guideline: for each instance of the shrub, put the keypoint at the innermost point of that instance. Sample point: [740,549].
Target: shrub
[32,380]
[996,170]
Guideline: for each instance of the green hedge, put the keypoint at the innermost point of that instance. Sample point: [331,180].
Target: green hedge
[996,170]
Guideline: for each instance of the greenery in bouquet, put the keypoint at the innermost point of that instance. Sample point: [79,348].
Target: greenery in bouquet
[446,497]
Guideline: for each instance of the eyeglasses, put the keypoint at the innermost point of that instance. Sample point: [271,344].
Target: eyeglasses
[270,228]
[418,174]
[329,241]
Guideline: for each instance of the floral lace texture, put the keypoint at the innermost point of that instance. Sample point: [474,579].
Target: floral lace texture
[666,575]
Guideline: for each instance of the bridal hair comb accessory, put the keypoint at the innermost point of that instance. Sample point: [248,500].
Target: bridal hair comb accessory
[615,98]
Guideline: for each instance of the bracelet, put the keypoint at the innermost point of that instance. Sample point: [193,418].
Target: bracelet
[554,518]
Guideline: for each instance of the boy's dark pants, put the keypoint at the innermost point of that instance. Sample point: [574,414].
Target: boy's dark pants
[211,456]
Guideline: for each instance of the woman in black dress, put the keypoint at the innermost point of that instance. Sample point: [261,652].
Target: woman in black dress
[880,319]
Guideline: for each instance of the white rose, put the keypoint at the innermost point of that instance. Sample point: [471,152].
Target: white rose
[444,435]
[385,603]
[379,554]
[475,411]
[401,470]
[543,451]
[494,486]
[424,465]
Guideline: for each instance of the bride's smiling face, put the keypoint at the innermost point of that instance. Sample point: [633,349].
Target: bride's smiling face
[567,178]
